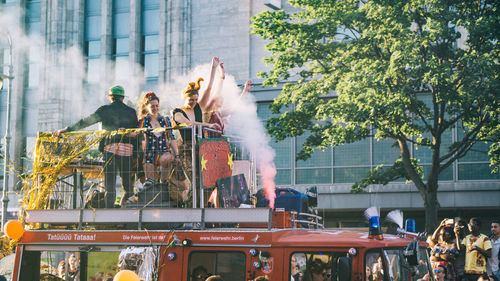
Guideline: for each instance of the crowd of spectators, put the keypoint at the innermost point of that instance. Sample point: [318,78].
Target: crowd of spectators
[460,256]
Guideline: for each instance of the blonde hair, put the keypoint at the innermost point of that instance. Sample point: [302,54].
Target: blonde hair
[192,88]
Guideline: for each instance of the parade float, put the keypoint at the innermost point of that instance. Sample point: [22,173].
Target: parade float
[225,225]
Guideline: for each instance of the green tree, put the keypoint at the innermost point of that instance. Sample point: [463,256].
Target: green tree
[408,70]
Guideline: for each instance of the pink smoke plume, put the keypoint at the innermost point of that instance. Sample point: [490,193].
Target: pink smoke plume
[245,124]
[267,173]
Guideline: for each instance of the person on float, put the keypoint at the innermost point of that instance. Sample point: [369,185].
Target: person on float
[191,114]
[160,149]
[214,113]
[117,149]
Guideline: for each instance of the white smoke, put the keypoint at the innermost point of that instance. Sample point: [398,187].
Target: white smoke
[65,92]
[241,121]
[63,78]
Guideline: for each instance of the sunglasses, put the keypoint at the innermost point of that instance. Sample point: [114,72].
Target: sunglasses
[437,271]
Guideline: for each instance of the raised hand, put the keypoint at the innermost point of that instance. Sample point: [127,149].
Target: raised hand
[222,71]
[248,86]
[215,62]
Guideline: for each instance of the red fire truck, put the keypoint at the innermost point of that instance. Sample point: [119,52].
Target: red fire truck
[191,244]
[160,241]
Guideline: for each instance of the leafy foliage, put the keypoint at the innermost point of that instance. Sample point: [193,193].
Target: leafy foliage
[354,67]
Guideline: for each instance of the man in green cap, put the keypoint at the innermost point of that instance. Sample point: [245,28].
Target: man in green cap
[118,149]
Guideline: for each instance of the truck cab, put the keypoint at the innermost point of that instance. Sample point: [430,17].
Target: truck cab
[255,244]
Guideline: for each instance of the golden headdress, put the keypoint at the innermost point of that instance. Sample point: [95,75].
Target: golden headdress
[193,88]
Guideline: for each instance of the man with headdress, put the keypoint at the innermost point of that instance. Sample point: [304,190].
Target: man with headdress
[117,149]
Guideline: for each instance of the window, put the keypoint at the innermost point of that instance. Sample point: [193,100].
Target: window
[150,20]
[92,20]
[51,264]
[314,265]
[121,47]
[475,165]
[351,161]
[33,27]
[121,30]
[392,264]
[229,265]
[33,9]
[398,268]
[92,46]
[385,152]
[93,71]
[317,169]
[374,266]
[150,42]
[30,120]
[77,264]
[92,27]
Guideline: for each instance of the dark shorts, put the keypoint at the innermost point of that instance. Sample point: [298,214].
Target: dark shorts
[152,157]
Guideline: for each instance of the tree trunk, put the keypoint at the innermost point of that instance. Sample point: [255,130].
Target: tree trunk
[431,205]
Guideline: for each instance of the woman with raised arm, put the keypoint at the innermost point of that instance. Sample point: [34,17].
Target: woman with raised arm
[213,114]
[444,249]
[191,113]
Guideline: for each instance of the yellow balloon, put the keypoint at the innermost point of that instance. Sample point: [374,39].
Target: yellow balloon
[126,275]
[14,229]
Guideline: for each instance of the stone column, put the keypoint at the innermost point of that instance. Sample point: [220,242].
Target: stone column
[135,38]
[107,43]
[175,38]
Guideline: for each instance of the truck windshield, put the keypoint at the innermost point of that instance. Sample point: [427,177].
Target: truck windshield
[78,265]
[398,268]
[391,264]
[314,265]
[229,265]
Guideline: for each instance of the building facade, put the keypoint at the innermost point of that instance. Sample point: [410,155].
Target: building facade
[72,51]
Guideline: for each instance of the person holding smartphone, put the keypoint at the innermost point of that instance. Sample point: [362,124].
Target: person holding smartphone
[444,248]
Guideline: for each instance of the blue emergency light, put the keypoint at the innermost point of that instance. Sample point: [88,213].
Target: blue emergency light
[374,225]
[374,229]
[410,225]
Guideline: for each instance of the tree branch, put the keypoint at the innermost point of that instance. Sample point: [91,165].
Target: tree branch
[422,118]
[461,148]
[412,174]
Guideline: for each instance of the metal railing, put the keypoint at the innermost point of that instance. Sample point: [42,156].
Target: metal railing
[81,183]
[310,220]
[197,218]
